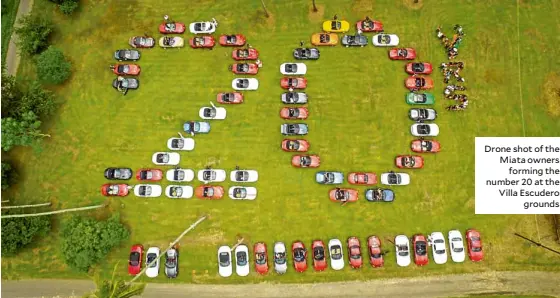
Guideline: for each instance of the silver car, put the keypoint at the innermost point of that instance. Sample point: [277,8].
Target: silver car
[329,177]
[172,263]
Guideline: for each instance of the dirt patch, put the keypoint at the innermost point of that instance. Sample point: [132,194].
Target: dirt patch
[413,4]
[551,94]
[316,16]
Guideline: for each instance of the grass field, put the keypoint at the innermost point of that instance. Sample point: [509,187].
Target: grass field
[358,122]
[9,11]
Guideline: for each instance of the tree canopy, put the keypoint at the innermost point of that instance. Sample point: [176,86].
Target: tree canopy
[21,132]
[33,34]
[19,232]
[52,66]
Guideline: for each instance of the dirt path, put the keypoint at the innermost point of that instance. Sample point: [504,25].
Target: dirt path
[12,57]
[534,283]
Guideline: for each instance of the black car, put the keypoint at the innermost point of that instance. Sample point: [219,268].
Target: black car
[121,83]
[118,173]
[357,40]
[307,53]
[127,55]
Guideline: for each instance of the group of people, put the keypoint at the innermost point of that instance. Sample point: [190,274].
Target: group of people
[451,45]
[452,70]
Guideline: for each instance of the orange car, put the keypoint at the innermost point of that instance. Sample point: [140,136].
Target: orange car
[306,161]
[419,83]
[324,39]
[409,162]
[362,178]
[209,192]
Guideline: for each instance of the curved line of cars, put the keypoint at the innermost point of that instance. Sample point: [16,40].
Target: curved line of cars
[334,253]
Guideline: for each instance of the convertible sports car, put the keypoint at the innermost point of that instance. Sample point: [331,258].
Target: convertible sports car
[306,161]
[295,145]
[232,40]
[166,158]
[209,192]
[409,162]
[115,190]
[307,53]
[329,177]
[375,253]
[142,42]
[179,191]
[419,83]
[319,256]
[244,68]
[118,173]
[354,252]
[212,112]
[292,69]
[294,113]
[402,54]
[261,258]
[135,259]
[299,254]
[336,26]
[149,175]
[196,127]
[343,195]
[180,143]
[245,84]
[147,190]
[336,254]
[172,28]
[474,245]
[171,42]
[225,268]
[244,175]
[422,114]
[420,250]
[294,98]
[229,97]
[420,98]
[294,129]
[125,83]
[385,40]
[422,146]
[202,42]
[392,178]
[245,54]
[127,55]
[418,68]
[368,25]
[324,39]
[179,175]
[380,194]
[280,259]
[362,178]
[242,193]
[424,130]
[126,69]
[294,83]
[211,175]
[357,40]
[203,27]
[402,248]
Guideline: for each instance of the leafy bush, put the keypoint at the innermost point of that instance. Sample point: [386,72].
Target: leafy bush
[68,6]
[85,241]
[21,132]
[9,175]
[11,95]
[52,66]
[33,33]
[19,232]
[15,103]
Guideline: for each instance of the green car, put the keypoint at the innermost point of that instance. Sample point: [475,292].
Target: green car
[420,98]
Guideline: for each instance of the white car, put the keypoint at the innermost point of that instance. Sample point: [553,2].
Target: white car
[180,143]
[424,130]
[242,193]
[166,158]
[336,254]
[385,40]
[439,250]
[402,247]
[280,261]
[244,176]
[180,175]
[211,175]
[147,190]
[212,112]
[203,27]
[395,178]
[179,191]
[416,114]
[245,84]
[293,69]
[152,254]
[456,246]
[242,260]
[225,268]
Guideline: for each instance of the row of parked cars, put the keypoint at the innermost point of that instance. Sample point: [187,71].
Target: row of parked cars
[152,255]
[240,255]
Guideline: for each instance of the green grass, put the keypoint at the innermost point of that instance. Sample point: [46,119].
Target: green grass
[9,11]
[358,122]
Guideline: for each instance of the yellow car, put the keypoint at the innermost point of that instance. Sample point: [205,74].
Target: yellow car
[336,26]
[324,39]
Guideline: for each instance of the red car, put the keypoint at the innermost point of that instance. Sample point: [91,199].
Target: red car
[354,252]
[171,28]
[319,257]
[375,253]
[261,258]
[420,250]
[209,192]
[135,259]
[422,146]
[474,245]
[244,68]
[343,195]
[232,40]
[306,161]
[295,83]
[245,54]
[362,178]
[201,42]
[126,69]
[295,145]
[414,83]
[368,25]
[402,54]
[149,175]
[419,68]
[114,190]
[230,97]
[294,113]
[299,254]
[409,162]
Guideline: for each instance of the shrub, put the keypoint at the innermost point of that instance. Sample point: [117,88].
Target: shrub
[9,175]
[20,231]
[11,95]
[37,100]
[52,66]
[68,6]
[22,131]
[33,33]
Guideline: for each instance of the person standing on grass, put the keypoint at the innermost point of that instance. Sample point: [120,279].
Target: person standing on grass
[335,17]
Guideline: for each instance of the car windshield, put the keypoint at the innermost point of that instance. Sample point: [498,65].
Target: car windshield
[231,39]
[420,98]
[227,97]
[134,259]
[293,145]
[376,256]
[280,258]
[474,238]
[162,158]
[420,248]
[209,112]
[242,83]
[209,175]
[123,68]
[150,258]
[145,190]
[319,253]
[179,175]
[291,68]
[355,252]
[177,143]
[305,161]
[423,129]
[239,193]
[171,262]
[299,254]
[224,259]
[260,258]
[208,191]
[418,67]
[242,176]
[176,191]
[457,248]
[292,128]
[241,258]
[243,67]
[477,249]
[402,250]
[336,252]
[335,25]
[200,26]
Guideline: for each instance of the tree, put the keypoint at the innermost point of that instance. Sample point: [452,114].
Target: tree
[11,94]
[315,7]
[38,100]
[19,232]
[33,34]
[52,66]
[265,10]
[68,6]
[21,132]
[9,175]
[114,288]
[85,240]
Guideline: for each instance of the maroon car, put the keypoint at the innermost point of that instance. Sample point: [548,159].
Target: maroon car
[114,190]
[232,40]
[375,253]
[420,250]
[299,254]
[135,259]
[229,97]
[474,245]
[319,257]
